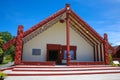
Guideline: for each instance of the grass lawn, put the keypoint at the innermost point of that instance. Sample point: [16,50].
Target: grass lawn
[6,60]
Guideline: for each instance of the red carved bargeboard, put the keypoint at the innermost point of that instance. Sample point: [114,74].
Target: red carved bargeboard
[9,43]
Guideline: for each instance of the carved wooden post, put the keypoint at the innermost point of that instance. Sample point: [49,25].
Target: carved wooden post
[107,60]
[68,32]
[19,45]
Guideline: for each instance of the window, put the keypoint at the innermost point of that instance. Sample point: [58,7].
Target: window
[72,53]
[36,51]
[65,54]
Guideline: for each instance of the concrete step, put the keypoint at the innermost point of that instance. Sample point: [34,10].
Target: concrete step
[60,73]
[65,69]
[35,70]
[60,66]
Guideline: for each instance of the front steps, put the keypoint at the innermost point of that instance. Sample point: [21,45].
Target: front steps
[35,70]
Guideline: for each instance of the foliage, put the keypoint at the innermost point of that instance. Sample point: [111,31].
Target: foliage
[3,75]
[111,60]
[116,65]
[7,59]
[1,51]
[1,40]
[10,51]
[5,37]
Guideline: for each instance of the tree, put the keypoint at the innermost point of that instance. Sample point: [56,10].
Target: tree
[6,36]
[1,51]
[10,51]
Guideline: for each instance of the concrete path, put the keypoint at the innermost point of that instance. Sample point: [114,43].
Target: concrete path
[7,65]
[68,77]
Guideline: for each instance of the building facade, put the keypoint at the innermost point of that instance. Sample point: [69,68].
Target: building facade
[63,38]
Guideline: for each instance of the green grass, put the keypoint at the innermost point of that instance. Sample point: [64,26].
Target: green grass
[6,60]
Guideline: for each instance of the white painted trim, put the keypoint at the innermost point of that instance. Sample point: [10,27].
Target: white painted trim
[82,36]
[95,53]
[99,59]
[102,53]
[86,30]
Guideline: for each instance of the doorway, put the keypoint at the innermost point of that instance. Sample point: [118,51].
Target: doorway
[53,55]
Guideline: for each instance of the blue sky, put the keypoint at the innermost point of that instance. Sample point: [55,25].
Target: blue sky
[102,15]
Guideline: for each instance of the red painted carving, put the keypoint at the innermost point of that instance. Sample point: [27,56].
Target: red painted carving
[68,32]
[19,45]
[106,46]
[9,43]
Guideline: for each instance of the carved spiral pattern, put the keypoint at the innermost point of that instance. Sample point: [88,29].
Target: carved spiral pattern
[106,46]
[19,45]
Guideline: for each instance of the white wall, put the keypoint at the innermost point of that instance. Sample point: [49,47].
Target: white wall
[84,50]
[53,35]
[57,35]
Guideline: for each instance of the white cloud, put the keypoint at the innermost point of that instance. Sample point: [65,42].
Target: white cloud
[117,43]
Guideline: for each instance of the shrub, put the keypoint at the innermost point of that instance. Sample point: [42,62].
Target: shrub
[2,75]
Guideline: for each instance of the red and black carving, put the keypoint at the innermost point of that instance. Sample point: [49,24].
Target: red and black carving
[19,45]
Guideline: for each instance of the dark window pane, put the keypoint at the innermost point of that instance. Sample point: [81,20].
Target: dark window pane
[65,54]
[36,51]
[72,54]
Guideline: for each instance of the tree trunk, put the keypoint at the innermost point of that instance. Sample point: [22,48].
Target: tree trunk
[1,59]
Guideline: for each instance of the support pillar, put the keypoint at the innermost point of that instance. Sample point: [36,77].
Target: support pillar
[103,59]
[107,60]
[68,32]
[19,45]
[95,54]
[99,53]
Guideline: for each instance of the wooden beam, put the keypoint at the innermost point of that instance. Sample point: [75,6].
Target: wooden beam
[85,31]
[93,32]
[79,33]
[82,31]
